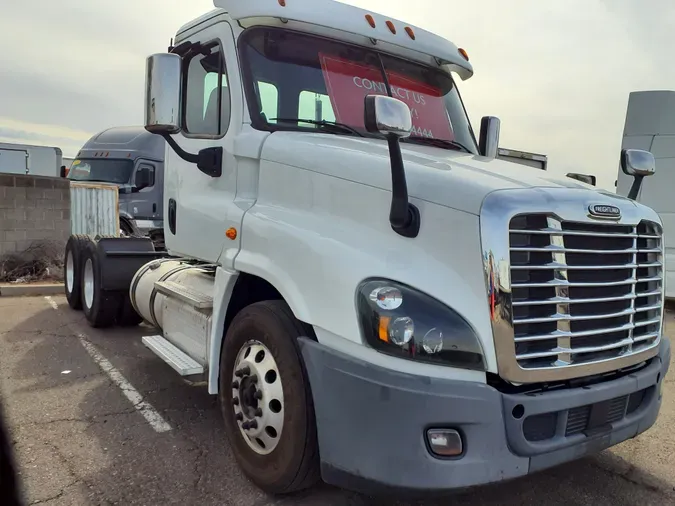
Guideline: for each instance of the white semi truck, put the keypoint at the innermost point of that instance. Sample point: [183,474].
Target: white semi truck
[376,299]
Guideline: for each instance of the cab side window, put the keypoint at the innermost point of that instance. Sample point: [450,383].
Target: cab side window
[206,100]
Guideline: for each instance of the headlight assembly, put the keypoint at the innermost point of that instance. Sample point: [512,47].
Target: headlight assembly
[406,323]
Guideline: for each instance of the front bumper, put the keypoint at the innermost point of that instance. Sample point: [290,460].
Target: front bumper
[372,422]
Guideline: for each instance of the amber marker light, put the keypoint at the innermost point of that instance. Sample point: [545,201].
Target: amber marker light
[383,330]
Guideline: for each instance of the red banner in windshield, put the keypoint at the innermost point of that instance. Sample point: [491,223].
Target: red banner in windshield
[348,83]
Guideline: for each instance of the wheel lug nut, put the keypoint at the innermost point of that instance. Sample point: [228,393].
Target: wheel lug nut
[245,426]
[258,394]
[253,424]
[254,379]
[239,417]
[235,384]
[244,371]
[258,412]
[235,401]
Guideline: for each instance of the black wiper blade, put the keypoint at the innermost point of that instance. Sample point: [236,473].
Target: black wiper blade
[328,125]
[440,143]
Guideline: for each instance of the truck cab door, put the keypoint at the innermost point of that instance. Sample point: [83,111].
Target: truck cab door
[201,208]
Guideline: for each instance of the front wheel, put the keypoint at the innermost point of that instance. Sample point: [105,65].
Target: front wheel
[266,400]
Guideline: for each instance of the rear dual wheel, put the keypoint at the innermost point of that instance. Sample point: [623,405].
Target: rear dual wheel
[72,269]
[100,307]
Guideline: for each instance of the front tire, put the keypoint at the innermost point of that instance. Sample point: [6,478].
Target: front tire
[72,269]
[100,307]
[266,399]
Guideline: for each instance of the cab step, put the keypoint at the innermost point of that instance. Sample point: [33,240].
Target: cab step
[182,363]
[185,294]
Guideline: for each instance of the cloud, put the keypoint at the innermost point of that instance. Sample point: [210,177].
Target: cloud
[558,74]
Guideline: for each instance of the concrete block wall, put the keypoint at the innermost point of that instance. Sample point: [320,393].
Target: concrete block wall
[32,209]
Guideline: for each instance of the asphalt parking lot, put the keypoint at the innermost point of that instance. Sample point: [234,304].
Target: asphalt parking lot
[96,418]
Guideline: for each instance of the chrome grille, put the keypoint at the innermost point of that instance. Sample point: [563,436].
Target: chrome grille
[583,292]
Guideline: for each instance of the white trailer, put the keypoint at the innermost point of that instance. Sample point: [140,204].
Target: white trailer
[375,298]
[650,125]
[28,159]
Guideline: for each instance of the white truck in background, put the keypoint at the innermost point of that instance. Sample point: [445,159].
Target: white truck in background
[33,160]
[376,299]
[650,125]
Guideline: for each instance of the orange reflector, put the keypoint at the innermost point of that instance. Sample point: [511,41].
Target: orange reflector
[464,54]
[231,233]
[410,32]
[383,330]
[282,3]
[391,27]
[370,20]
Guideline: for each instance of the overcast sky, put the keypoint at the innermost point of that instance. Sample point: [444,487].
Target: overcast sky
[556,72]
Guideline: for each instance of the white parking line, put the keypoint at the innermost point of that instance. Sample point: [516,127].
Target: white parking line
[144,408]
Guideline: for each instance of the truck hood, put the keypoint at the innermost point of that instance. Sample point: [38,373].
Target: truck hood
[448,178]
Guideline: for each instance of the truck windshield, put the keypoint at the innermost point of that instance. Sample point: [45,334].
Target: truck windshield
[105,170]
[294,77]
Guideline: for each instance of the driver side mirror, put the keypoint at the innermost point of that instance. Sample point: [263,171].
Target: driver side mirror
[143,178]
[162,93]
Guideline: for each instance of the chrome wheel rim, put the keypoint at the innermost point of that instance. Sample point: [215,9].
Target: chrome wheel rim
[258,397]
[89,283]
[70,272]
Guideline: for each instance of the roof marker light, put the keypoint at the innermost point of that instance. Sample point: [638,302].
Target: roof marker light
[370,20]
[391,27]
[463,53]
[410,32]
